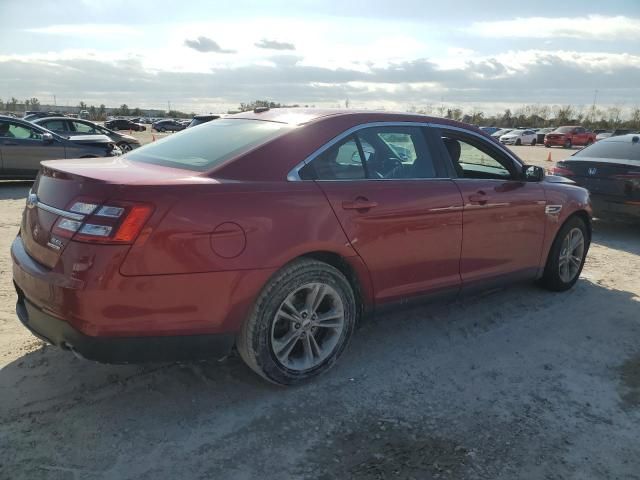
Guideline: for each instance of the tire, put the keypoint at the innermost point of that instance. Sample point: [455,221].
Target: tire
[533,142]
[124,146]
[552,278]
[518,142]
[567,144]
[294,285]
[589,142]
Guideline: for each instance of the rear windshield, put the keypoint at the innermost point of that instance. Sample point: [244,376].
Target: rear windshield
[611,149]
[209,145]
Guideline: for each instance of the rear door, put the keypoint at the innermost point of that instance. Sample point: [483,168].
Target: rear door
[397,207]
[23,148]
[504,216]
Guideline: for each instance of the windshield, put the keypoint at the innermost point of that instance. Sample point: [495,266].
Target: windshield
[564,129]
[621,150]
[516,132]
[208,145]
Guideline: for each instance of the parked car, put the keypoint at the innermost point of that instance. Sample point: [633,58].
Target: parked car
[276,236]
[199,119]
[610,169]
[569,136]
[24,145]
[540,134]
[499,133]
[168,126]
[489,130]
[31,116]
[614,133]
[74,127]
[519,137]
[124,124]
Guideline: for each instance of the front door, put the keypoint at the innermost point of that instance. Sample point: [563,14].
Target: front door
[504,216]
[400,213]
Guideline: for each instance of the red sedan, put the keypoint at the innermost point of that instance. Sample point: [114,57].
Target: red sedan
[277,231]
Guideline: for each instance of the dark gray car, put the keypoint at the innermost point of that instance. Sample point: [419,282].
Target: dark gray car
[24,145]
[66,127]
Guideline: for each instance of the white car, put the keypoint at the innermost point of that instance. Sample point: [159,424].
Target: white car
[519,137]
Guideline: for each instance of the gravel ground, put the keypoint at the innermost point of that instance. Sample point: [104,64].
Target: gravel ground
[519,383]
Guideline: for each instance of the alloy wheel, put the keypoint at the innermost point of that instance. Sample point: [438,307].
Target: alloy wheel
[571,255]
[307,327]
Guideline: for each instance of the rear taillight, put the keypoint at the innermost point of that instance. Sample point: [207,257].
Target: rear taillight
[561,171]
[114,222]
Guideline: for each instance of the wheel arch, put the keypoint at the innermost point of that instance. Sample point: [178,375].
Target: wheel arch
[356,273]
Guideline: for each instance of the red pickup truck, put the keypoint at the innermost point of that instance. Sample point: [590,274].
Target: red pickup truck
[569,136]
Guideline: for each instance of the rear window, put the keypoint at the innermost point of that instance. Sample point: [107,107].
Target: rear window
[563,130]
[611,149]
[201,149]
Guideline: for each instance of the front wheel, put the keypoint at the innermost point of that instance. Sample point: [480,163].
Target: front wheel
[124,146]
[300,324]
[567,144]
[567,255]
[518,142]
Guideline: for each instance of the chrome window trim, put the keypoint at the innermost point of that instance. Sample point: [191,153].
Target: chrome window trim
[57,211]
[294,173]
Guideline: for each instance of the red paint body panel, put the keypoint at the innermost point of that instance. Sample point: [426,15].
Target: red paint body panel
[554,139]
[503,232]
[410,240]
[215,238]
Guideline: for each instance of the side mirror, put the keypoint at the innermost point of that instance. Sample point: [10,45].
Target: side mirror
[47,138]
[533,173]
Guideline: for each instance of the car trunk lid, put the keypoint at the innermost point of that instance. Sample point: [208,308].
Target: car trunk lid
[60,184]
[606,176]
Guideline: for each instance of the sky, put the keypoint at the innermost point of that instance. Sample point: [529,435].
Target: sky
[208,56]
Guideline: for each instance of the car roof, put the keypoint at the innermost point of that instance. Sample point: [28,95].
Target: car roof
[38,120]
[302,116]
[629,137]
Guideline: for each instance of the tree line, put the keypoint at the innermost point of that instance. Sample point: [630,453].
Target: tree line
[526,116]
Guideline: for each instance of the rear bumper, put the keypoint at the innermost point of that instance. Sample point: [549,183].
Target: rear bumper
[119,349]
[604,207]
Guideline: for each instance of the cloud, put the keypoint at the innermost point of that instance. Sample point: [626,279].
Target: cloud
[274,45]
[85,29]
[595,27]
[514,77]
[205,44]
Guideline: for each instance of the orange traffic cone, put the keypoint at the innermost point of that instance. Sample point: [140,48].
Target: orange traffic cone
[153,138]
[549,157]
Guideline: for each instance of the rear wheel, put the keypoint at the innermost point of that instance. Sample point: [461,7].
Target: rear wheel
[300,324]
[533,142]
[567,143]
[567,255]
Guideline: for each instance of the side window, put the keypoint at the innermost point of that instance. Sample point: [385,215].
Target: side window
[56,125]
[83,127]
[396,153]
[472,159]
[580,130]
[14,130]
[340,162]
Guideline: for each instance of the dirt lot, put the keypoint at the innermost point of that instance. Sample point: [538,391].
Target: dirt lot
[520,383]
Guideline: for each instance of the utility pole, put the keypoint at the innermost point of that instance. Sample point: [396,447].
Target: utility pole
[54,101]
[168,106]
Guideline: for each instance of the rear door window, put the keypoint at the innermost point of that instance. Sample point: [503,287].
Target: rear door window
[607,149]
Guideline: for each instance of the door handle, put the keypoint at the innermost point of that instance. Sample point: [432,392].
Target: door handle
[479,198]
[359,203]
